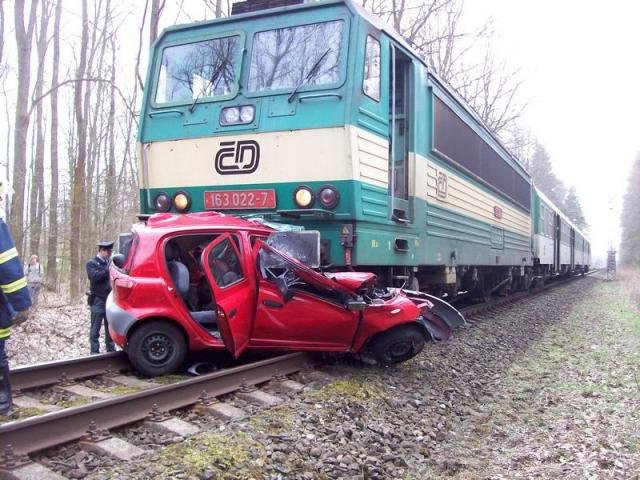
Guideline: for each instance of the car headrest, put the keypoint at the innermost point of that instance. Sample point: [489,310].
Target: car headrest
[171,251]
[180,276]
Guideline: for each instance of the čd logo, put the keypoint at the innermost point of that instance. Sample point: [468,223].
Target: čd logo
[237,157]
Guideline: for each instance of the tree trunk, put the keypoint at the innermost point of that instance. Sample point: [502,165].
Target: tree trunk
[37,180]
[21,124]
[110,180]
[156,11]
[78,197]
[1,31]
[52,247]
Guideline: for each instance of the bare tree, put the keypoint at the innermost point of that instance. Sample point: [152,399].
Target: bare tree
[464,59]
[37,180]
[52,243]
[1,31]
[21,123]
[78,180]
[156,11]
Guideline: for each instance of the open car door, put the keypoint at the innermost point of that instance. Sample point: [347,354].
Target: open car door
[233,291]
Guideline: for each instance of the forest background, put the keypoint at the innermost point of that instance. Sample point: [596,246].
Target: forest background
[71,82]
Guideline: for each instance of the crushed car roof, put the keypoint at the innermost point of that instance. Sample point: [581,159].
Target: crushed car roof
[202,220]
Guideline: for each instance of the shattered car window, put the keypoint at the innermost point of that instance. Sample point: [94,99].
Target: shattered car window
[302,246]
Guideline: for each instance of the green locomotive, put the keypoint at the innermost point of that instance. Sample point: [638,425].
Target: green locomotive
[318,114]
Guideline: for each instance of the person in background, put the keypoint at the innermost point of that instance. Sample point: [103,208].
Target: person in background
[98,273]
[33,271]
[15,300]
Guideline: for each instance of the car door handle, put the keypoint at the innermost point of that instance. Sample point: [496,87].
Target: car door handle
[272,304]
[232,313]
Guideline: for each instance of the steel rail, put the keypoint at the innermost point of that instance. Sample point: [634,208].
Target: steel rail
[43,374]
[51,429]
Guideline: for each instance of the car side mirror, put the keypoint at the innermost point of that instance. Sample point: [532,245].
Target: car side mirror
[118,260]
[286,293]
[356,305]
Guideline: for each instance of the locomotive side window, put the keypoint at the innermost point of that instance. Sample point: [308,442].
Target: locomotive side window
[371,80]
[198,70]
[285,58]
[458,142]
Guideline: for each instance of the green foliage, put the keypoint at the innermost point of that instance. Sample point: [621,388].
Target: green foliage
[630,219]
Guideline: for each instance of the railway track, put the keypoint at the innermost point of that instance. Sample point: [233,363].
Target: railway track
[91,422]
[151,401]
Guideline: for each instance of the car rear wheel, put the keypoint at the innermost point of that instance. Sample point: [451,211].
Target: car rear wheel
[157,348]
[397,345]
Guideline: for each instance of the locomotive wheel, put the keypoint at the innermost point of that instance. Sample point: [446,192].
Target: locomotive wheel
[397,345]
[157,348]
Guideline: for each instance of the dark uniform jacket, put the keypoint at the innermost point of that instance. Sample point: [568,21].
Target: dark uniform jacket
[14,294]
[98,273]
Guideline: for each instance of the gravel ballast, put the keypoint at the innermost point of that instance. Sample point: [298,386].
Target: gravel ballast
[544,389]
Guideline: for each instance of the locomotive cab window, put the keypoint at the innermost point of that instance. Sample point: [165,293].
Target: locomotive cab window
[371,77]
[296,57]
[199,70]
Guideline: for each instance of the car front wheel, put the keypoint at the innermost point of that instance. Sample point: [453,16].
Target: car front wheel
[157,348]
[397,345]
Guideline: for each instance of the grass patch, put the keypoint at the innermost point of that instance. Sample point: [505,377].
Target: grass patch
[211,451]
[168,379]
[19,413]
[354,389]
[74,401]
[121,389]
[276,420]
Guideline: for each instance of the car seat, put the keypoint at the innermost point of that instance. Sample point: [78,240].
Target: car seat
[180,276]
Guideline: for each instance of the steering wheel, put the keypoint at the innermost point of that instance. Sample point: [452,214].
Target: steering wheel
[289,277]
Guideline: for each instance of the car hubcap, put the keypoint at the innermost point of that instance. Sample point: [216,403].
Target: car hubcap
[400,349]
[157,348]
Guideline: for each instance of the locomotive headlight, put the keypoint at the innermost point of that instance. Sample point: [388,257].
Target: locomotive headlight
[181,201]
[328,196]
[303,196]
[247,113]
[229,116]
[237,115]
[161,203]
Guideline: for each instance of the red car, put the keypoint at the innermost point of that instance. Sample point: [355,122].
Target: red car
[212,281]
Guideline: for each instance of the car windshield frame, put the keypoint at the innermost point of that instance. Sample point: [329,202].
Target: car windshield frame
[305,85]
[305,272]
[237,61]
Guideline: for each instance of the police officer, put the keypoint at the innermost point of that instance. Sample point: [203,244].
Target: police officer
[14,303]
[98,272]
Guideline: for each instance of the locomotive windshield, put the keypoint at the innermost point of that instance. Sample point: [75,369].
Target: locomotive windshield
[285,58]
[196,70]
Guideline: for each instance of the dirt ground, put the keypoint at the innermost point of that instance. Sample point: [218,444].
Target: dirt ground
[55,330]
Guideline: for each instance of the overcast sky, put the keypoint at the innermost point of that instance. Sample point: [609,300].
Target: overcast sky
[581,64]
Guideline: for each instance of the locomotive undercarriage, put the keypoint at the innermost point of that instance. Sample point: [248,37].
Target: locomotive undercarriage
[477,282]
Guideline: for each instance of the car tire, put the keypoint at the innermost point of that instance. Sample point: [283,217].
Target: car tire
[397,345]
[157,348]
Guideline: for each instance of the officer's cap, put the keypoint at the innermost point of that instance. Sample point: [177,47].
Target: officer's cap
[105,245]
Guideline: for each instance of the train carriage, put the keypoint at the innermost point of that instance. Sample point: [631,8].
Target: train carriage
[318,114]
[559,247]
